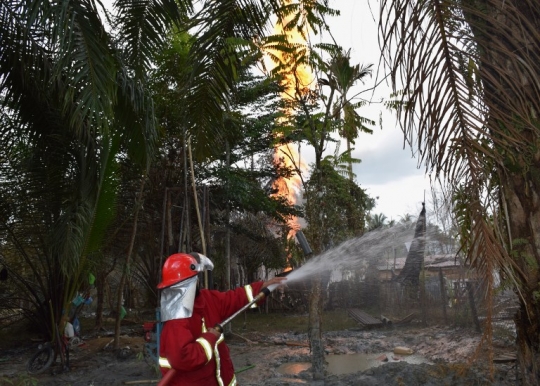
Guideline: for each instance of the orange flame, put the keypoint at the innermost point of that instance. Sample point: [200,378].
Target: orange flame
[297,81]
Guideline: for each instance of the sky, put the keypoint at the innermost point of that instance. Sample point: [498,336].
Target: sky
[388,170]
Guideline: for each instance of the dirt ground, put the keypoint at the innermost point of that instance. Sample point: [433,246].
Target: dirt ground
[259,359]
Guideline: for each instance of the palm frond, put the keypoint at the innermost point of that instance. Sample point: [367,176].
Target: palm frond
[426,60]
[104,208]
[84,63]
[437,56]
[55,55]
[134,118]
[220,46]
[472,74]
[143,26]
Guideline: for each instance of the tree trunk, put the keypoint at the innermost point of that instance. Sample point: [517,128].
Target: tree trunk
[508,45]
[522,201]
[198,211]
[100,295]
[168,215]
[315,331]
[349,164]
[228,221]
[125,271]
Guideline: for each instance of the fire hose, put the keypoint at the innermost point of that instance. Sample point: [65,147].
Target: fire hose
[219,327]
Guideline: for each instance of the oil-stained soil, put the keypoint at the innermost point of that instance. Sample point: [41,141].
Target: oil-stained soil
[452,356]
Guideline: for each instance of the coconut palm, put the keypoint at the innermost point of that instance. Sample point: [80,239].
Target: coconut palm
[345,76]
[377,221]
[471,71]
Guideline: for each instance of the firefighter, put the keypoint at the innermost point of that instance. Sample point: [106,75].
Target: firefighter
[188,342]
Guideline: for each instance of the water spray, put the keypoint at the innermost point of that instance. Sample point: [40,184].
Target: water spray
[355,253]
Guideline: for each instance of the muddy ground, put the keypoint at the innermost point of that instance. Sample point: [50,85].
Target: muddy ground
[259,359]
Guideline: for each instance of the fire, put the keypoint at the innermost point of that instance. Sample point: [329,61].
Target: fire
[297,80]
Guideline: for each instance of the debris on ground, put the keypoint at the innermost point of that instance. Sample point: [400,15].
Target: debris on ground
[257,358]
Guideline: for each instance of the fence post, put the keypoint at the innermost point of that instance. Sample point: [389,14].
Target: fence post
[423,300]
[443,295]
[473,306]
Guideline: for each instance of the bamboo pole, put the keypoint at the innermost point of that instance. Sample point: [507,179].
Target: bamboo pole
[197,209]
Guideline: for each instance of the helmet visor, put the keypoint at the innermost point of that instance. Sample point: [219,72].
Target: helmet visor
[177,300]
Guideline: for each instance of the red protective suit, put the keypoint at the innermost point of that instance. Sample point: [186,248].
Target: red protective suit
[187,347]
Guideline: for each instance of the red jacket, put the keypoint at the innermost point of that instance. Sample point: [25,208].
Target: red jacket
[187,347]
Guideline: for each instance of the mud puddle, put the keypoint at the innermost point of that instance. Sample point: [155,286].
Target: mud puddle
[351,363]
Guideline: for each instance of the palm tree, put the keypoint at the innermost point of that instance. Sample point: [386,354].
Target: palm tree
[471,72]
[344,76]
[342,162]
[377,221]
[72,107]
[407,218]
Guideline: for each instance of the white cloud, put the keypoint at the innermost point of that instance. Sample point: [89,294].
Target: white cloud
[397,198]
[384,161]
[388,170]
